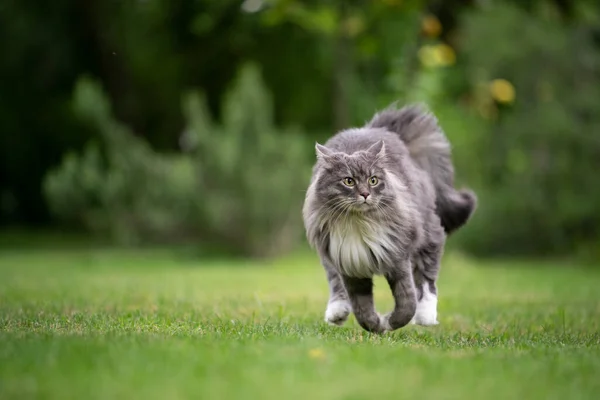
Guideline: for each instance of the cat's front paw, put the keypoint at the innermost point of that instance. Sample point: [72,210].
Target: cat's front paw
[337,312]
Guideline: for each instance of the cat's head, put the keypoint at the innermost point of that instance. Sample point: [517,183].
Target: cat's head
[353,182]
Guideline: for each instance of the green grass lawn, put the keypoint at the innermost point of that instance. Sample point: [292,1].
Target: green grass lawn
[111,324]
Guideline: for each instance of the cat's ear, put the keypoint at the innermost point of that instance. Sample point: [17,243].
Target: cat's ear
[377,150]
[322,151]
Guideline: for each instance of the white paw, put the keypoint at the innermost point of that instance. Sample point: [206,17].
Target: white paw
[426,314]
[337,312]
[384,320]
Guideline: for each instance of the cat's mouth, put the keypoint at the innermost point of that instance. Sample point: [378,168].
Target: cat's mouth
[363,205]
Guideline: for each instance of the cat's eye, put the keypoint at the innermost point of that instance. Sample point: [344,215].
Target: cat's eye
[348,181]
[373,181]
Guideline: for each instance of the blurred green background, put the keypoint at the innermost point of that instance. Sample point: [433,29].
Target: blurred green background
[154,156]
[167,122]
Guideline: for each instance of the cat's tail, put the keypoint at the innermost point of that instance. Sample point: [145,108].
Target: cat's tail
[431,151]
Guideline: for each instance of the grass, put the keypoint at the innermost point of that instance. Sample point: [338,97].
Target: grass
[114,324]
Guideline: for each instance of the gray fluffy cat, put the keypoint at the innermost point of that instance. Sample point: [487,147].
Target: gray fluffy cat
[381,201]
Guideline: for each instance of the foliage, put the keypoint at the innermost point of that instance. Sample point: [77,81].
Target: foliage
[239,184]
[252,175]
[536,161]
[120,186]
[514,84]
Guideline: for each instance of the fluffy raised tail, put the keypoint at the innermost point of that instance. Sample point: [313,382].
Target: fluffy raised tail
[430,149]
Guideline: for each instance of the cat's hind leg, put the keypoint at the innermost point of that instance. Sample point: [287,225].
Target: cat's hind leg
[426,264]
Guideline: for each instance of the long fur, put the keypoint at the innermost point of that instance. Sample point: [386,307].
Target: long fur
[431,151]
[381,202]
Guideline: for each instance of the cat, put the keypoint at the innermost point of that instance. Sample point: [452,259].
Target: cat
[381,201]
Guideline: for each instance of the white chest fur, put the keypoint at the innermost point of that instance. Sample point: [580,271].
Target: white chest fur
[358,246]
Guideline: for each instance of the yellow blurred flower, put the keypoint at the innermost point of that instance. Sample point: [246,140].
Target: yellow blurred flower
[431,26]
[445,54]
[316,354]
[502,91]
[426,56]
[437,55]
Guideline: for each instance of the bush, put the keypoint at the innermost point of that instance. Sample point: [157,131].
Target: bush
[120,187]
[252,175]
[536,161]
[238,185]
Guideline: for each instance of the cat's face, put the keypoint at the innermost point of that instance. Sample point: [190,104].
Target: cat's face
[356,182]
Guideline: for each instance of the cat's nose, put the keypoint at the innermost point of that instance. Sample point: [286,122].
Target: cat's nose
[365,194]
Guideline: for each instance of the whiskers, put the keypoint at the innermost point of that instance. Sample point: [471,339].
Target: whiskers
[339,211]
